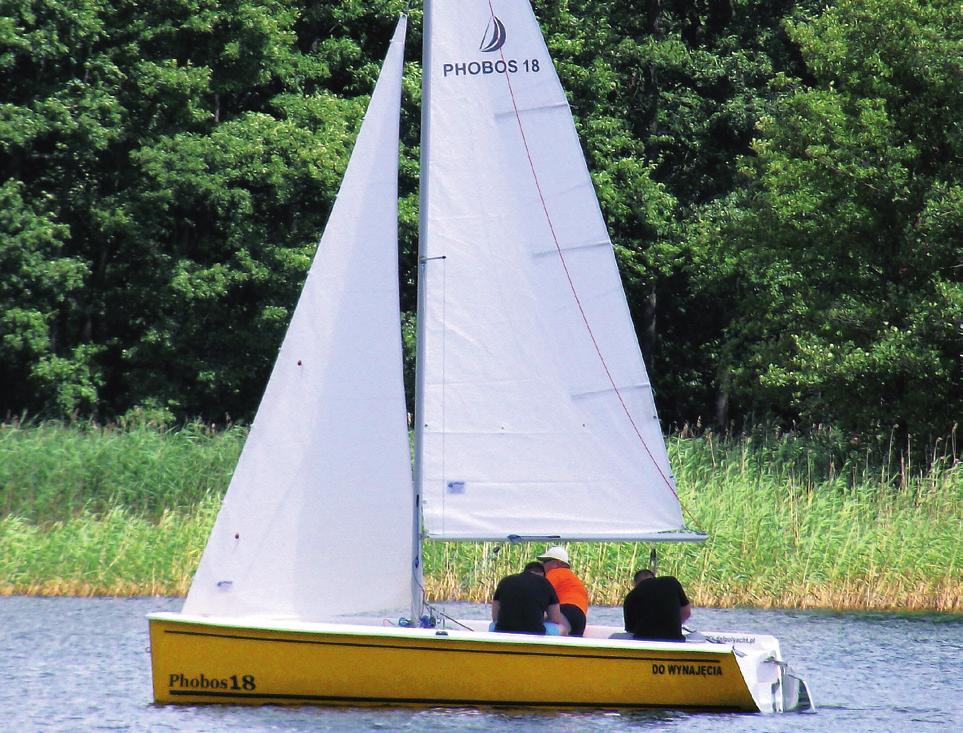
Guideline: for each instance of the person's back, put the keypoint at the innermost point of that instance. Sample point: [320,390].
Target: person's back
[569,588]
[656,608]
[521,601]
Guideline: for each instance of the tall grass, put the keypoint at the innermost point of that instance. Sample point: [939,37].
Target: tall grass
[116,553]
[127,512]
[53,472]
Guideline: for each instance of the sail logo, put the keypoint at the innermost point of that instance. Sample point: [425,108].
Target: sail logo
[494,37]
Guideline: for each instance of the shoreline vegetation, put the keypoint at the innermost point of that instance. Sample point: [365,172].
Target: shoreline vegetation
[126,511]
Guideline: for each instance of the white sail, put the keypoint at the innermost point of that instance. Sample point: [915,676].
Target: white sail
[537,414]
[317,519]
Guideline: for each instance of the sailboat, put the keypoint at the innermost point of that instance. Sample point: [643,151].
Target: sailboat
[534,422]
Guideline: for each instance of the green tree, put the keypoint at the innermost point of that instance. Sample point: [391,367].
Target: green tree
[165,172]
[844,249]
[182,158]
[36,281]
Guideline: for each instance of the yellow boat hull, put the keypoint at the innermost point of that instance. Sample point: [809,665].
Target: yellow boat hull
[197,661]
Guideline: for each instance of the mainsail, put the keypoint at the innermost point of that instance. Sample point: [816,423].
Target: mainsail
[536,414]
[316,521]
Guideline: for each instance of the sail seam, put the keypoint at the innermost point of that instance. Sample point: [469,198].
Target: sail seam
[536,108]
[568,275]
[574,247]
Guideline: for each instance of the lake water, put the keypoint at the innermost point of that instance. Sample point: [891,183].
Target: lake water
[79,664]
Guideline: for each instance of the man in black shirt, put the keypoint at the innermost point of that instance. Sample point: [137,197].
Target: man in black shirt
[656,608]
[522,601]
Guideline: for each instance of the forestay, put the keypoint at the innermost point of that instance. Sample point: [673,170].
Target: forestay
[538,417]
[317,518]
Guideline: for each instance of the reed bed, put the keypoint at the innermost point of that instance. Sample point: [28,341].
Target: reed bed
[52,472]
[112,554]
[97,511]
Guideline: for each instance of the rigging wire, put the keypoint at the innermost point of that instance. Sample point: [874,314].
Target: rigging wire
[429,620]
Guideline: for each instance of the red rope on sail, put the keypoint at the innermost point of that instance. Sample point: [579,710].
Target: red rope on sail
[568,275]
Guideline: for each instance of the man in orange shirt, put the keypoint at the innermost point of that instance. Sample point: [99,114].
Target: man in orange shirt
[571,593]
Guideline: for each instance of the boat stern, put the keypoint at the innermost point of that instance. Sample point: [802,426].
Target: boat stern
[774,686]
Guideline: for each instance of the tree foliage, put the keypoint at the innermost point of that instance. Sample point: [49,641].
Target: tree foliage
[843,248]
[781,180]
[166,170]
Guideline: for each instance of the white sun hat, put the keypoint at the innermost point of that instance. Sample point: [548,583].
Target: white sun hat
[555,553]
